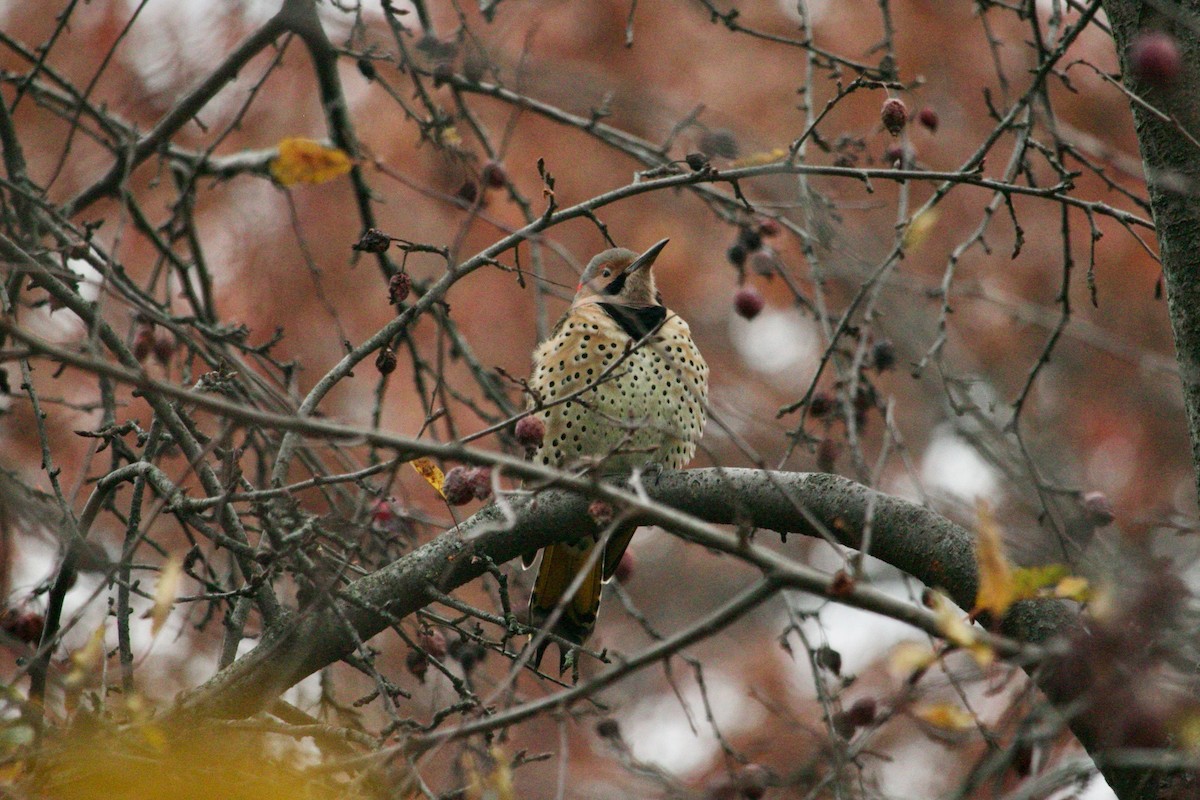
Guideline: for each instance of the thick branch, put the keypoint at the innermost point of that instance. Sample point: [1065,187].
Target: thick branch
[906,535]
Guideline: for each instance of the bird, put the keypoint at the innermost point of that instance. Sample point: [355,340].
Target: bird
[619,385]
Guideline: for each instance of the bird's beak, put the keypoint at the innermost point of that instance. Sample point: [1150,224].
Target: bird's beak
[646,258]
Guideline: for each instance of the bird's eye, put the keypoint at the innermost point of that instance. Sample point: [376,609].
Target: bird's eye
[607,273]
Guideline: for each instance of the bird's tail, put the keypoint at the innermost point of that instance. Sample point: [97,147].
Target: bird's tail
[561,563]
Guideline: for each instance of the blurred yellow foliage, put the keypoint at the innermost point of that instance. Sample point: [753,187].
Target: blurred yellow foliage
[944,716]
[97,760]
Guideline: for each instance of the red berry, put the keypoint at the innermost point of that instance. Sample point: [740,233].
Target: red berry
[1098,509]
[457,487]
[894,115]
[1154,58]
[900,156]
[383,512]
[164,347]
[480,479]
[530,431]
[25,626]
[143,342]
[493,175]
[600,512]
[769,227]
[748,302]
[624,569]
[929,118]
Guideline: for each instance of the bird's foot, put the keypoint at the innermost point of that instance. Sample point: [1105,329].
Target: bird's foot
[653,471]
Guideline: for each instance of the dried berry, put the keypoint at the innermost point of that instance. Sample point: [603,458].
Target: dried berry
[366,68]
[468,192]
[417,664]
[399,285]
[164,347]
[385,362]
[820,404]
[457,487]
[529,432]
[696,161]
[443,72]
[373,241]
[143,342]
[736,255]
[608,728]
[480,479]
[719,142]
[894,115]
[748,302]
[493,175]
[749,238]
[883,355]
[1098,509]
[624,569]
[1154,58]
[432,642]
[467,653]
[928,118]
[842,584]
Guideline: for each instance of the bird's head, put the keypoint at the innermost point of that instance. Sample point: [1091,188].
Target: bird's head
[621,277]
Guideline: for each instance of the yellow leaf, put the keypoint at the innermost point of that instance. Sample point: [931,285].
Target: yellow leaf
[958,631]
[430,472]
[165,593]
[307,161]
[996,587]
[919,228]
[758,159]
[909,657]
[1029,581]
[87,658]
[1074,588]
[945,716]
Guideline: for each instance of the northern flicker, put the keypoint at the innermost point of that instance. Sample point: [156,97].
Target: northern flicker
[620,384]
